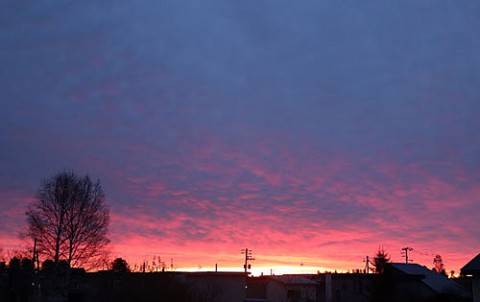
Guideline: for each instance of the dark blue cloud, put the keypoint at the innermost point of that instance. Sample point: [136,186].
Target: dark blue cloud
[340,116]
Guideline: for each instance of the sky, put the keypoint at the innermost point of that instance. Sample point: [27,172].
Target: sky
[312,132]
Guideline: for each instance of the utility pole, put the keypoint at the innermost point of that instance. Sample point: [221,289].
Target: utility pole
[248,257]
[405,251]
[367,264]
[35,254]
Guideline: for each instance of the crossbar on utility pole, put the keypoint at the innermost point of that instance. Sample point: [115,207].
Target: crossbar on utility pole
[248,257]
[406,250]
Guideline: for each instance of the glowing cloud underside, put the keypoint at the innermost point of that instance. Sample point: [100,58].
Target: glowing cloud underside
[312,134]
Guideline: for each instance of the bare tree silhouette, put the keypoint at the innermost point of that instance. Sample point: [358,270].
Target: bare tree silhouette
[69,219]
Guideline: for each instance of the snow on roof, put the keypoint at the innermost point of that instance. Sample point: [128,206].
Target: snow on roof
[434,280]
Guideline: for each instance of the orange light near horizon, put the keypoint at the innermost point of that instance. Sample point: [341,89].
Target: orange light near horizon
[264,270]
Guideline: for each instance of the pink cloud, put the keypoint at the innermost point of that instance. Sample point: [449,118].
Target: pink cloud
[218,198]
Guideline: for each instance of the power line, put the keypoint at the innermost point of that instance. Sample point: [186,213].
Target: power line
[425,253]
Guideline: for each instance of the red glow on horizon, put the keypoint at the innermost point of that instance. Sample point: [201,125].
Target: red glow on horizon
[320,219]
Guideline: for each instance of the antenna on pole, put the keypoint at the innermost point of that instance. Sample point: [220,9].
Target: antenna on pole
[248,257]
[405,251]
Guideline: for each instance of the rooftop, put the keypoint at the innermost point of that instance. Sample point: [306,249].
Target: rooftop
[439,283]
[472,267]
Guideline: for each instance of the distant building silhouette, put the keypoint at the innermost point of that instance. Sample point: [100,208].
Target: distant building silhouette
[472,271]
[413,281]
[399,282]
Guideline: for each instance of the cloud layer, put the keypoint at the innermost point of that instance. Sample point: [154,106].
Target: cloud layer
[313,133]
